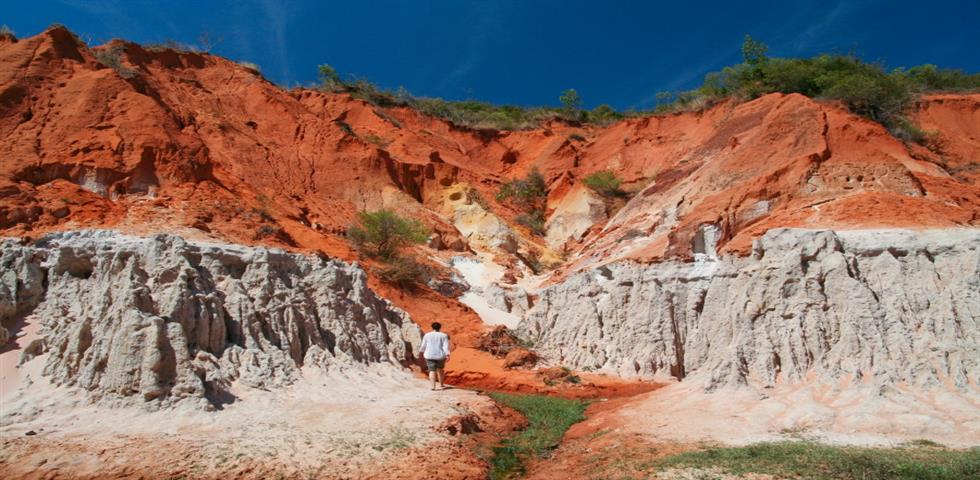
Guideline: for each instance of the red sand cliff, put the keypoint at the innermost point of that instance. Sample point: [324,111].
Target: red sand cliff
[199,145]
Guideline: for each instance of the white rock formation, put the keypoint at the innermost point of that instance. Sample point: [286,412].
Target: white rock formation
[495,302]
[883,308]
[574,215]
[162,319]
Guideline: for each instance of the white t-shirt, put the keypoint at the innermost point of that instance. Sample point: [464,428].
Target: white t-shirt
[435,346]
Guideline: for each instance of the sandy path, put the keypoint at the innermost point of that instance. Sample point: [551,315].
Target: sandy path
[375,421]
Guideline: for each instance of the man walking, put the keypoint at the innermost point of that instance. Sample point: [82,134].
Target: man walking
[435,350]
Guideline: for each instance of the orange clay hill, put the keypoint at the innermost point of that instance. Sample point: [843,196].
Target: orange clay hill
[197,145]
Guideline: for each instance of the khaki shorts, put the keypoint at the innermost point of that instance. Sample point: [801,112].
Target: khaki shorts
[431,365]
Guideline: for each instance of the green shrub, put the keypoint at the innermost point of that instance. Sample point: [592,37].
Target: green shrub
[906,130]
[268,231]
[345,127]
[528,193]
[603,115]
[571,102]
[6,31]
[329,78]
[466,113]
[753,51]
[866,89]
[405,272]
[534,220]
[376,140]
[384,232]
[604,182]
[112,58]
[169,44]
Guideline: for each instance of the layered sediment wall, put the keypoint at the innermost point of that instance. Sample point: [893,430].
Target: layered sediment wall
[161,319]
[884,307]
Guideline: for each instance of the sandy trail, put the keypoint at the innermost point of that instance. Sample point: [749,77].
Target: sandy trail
[361,423]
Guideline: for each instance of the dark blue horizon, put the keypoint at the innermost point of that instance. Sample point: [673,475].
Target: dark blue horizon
[523,52]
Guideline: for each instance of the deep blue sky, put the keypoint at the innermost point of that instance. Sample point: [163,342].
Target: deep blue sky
[524,51]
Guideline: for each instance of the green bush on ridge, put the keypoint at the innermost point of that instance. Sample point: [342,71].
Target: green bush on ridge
[866,89]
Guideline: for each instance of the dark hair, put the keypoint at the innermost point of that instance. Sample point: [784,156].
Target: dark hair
[436,326]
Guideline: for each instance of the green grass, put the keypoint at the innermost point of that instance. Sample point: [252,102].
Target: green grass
[815,461]
[605,183]
[548,419]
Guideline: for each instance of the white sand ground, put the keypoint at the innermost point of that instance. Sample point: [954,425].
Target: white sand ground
[836,414]
[345,423]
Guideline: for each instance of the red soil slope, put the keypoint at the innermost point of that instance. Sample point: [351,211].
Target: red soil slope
[199,145]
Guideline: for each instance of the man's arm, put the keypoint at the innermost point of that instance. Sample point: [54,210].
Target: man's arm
[446,346]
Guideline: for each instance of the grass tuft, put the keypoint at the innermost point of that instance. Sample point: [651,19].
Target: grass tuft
[548,419]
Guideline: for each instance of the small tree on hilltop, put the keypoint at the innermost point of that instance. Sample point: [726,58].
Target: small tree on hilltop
[329,78]
[754,51]
[570,100]
[384,232]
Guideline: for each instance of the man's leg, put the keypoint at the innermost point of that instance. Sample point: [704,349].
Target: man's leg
[442,378]
[432,377]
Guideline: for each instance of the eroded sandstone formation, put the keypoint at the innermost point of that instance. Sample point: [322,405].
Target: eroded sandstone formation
[886,307]
[164,319]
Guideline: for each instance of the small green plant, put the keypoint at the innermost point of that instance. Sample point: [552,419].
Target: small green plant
[346,128]
[384,232]
[476,197]
[528,193]
[906,130]
[604,182]
[112,57]
[6,31]
[169,44]
[533,220]
[329,78]
[753,51]
[571,102]
[268,231]
[548,419]
[264,210]
[603,115]
[376,140]
[405,272]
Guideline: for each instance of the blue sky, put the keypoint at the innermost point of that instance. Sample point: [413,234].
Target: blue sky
[524,51]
